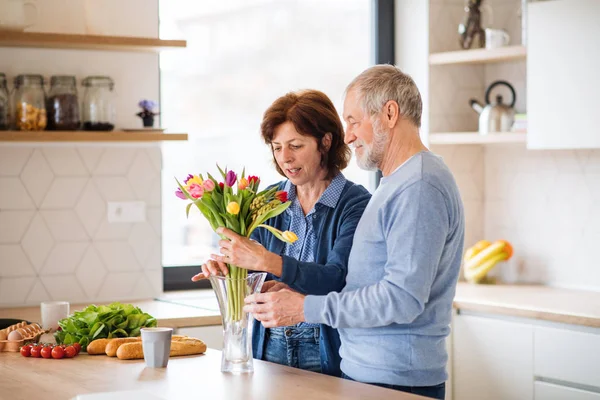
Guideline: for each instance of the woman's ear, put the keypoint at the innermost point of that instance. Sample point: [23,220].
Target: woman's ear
[326,141]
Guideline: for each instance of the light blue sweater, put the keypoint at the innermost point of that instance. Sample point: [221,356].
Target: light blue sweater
[394,313]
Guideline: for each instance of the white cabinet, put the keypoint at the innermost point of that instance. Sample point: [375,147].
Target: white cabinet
[550,391]
[563,83]
[211,335]
[492,359]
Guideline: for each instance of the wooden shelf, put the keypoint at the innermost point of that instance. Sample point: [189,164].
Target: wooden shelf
[476,138]
[479,56]
[88,136]
[87,42]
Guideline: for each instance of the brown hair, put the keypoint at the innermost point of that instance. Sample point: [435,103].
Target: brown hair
[313,114]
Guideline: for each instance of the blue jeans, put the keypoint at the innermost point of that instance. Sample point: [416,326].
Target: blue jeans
[294,347]
[435,392]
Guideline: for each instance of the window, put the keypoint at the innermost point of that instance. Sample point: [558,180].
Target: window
[241,56]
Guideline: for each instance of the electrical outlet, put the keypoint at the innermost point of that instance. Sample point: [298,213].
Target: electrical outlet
[126,211]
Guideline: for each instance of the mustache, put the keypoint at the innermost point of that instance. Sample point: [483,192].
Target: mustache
[357,143]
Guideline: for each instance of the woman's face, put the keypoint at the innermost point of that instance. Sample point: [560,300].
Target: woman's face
[297,155]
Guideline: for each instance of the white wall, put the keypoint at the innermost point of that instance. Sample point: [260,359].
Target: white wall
[55,240]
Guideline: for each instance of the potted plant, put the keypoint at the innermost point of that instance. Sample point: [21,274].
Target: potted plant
[147,114]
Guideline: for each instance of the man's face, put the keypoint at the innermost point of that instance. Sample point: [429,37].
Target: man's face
[368,138]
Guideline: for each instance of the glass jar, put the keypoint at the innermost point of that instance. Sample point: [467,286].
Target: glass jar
[98,104]
[62,105]
[4,123]
[30,103]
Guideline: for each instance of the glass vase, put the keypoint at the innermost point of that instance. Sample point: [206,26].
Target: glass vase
[237,324]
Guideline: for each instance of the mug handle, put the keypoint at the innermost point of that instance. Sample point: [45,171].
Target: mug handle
[35,9]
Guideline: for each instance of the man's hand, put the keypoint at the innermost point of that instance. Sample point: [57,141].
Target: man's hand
[273,286]
[282,308]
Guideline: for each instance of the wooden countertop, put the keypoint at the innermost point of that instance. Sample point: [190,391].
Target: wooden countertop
[576,307]
[167,313]
[184,377]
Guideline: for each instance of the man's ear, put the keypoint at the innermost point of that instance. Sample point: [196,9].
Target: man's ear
[391,113]
[326,141]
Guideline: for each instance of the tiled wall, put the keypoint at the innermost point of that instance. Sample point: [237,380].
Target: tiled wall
[55,240]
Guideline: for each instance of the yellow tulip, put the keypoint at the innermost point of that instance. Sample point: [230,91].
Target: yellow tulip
[233,208]
[289,236]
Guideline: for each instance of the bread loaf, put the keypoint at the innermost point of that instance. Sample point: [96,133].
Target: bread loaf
[179,347]
[113,344]
[97,346]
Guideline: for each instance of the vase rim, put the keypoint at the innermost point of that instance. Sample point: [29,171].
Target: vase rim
[227,277]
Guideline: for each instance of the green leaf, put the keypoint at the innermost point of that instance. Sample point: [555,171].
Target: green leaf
[224,174]
[187,210]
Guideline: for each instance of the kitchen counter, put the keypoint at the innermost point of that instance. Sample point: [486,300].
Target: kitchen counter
[167,313]
[576,307]
[185,377]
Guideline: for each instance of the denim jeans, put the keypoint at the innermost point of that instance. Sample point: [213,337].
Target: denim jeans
[294,347]
[435,392]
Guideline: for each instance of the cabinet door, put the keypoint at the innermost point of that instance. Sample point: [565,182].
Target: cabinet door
[563,79]
[549,391]
[492,359]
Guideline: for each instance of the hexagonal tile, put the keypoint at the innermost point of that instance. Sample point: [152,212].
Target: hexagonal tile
[13,225]
[143,289]
[117,256]
[154,196]
[113,231]
[571,190]
[13,195]
[90,156]
[14,291]
[141,175]
[568,160]
[592,161]
[155,278]
[65,161]
[155,155]
[65,226]
[38,293]
[91,209]
[64,288]
[118,285]
[13,159]
[37,177]
[142,240]
[115,161]
[14,262]
[64,258]
[37,242]
[91,272]
[154,218]
[63,193]
[115,188]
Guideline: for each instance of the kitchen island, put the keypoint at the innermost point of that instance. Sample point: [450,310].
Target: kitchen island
[197,377]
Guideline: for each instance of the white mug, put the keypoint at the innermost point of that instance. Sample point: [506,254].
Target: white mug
[52,312]
[495,38]
[14,15]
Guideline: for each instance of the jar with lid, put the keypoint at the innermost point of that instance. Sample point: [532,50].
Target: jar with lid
[30,103]
[62,105]
[4,123]
[98,109]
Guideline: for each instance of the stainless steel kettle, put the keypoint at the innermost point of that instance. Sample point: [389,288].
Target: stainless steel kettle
[497,117]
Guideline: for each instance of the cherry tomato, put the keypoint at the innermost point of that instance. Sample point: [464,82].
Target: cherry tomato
[25,351]
[36,351]
[46,352]
[58,352]
[77,347]
[70,352]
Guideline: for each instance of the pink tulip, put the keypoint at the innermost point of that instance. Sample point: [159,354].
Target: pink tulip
[209,185]
[196,191]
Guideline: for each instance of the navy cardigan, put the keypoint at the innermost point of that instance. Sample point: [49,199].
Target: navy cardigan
[334,229]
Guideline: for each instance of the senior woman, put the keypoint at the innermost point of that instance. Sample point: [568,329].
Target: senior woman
[306,137]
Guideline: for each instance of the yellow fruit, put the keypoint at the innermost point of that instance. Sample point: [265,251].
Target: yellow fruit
[475,249]
[476,274]
[495,248]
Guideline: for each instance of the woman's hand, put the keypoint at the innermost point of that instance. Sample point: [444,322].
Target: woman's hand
[243,252]
[273,286]
[211,268]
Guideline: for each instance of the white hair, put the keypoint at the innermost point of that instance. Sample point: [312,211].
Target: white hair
[381,83]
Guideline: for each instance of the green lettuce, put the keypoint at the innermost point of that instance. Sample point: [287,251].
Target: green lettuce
[98,322]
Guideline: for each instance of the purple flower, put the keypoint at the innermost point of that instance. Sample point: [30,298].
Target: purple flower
[190,176]
[230,178]
[180,194]
[147,105]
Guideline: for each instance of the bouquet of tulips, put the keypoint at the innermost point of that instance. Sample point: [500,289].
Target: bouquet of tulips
[242,210]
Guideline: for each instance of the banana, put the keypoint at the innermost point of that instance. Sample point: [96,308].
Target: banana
[476,248]
[476,274]
[492,250]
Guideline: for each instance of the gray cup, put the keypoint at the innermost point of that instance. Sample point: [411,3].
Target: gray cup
[156,343]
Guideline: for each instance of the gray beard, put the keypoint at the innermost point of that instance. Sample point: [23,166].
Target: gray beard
[373,156]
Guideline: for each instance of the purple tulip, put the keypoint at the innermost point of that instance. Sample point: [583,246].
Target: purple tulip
[180,194]
[190,176]
[230,178]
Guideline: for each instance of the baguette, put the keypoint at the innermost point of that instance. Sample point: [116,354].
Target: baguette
[114,344]
[97,346]
[182,347]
